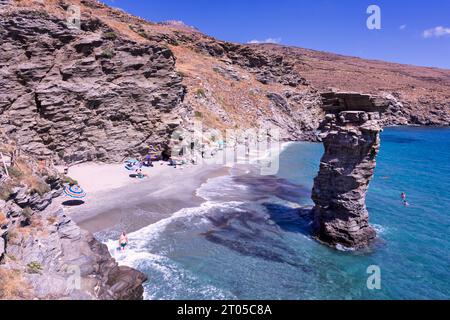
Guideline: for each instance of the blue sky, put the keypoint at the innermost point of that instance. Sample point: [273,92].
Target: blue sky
[412,31]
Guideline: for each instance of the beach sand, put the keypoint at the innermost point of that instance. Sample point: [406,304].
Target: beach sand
[115,201]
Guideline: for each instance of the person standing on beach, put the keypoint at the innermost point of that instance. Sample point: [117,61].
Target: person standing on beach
[148,160]
[123,241]
[139,169]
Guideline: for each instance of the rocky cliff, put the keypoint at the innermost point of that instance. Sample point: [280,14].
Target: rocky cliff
[119,84]
[43,253]
[420,95]
[83,94]
[350,134]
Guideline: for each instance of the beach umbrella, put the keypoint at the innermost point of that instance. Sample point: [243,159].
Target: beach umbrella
[131,161]
[75,192]
[130,164]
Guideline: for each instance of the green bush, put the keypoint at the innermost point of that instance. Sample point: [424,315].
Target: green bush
[198,114]
[34,267]
[68,180]
[5,192]
[15,172]
[201,93]
[139,31]
[110,35]
[107,53]
[27,213]
[40,188]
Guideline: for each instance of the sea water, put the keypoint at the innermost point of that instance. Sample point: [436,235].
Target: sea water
[251,238]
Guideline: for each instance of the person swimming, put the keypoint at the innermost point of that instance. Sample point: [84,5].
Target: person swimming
[405,202]
[123,241]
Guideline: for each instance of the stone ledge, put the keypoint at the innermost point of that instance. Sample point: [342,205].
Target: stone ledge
[335,102]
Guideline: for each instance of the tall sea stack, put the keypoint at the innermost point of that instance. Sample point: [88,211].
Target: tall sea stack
[350,134]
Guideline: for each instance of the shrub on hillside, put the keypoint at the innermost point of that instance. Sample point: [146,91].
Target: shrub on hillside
[39,187]
[15,172]
[27,213]
[5,191]
[110,36]
[198,114]
[68,180]
[107,53]
[34,267]
[201,93]
[12,285]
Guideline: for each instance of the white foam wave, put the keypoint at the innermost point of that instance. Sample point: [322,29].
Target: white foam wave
[379,228]
[219,186]
[275,200]
[142,239]
[270,153]
[138,254]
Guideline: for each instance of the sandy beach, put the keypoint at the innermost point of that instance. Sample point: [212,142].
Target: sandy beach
[115,201]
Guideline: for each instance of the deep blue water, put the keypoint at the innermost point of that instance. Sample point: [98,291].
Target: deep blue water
[251,240]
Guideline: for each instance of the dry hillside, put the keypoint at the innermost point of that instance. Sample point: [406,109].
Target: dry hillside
[122,84]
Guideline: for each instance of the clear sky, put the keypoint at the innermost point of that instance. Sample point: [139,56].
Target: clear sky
[412,31]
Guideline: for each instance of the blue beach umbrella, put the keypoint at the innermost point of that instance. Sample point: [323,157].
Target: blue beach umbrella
[130,164]
[75,192]
[131,160]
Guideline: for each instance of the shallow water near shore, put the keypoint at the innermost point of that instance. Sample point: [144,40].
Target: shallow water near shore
[250,239]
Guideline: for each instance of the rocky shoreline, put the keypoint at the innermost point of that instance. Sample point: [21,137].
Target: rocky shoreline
[118,85]
[43,253]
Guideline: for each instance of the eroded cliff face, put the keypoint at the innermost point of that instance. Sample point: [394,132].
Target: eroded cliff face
[121,84]
[83,94]
[350,135]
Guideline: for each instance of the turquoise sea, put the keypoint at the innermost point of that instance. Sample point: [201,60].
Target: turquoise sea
[251,239]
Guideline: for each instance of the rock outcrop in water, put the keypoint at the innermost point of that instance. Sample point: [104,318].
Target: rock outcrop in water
[350,135]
